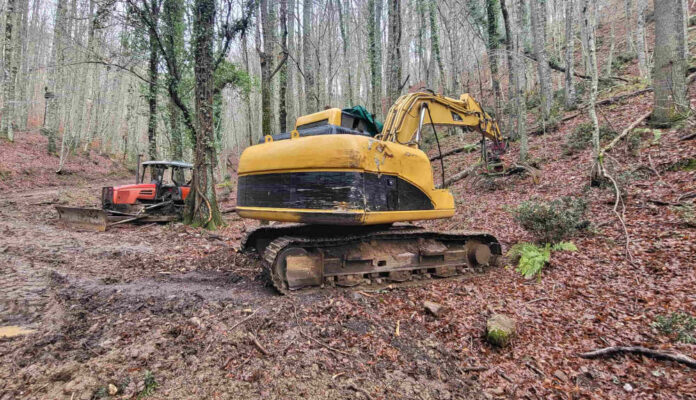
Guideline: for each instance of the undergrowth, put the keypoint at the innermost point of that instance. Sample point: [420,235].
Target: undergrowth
[581,137]
[532,258]
[150,385]
[679,326]
[552,221]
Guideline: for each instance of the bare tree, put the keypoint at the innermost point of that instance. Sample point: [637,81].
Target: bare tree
[539,42]
[669,71]
[588,32]
[10,69]
[640,39]
[307,65]
[570,55]
[394,50]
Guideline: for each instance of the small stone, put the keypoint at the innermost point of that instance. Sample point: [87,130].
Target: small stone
[112,389]
[560,375]
[435,309]
[500,329]
[196,321]
[627,387]
[497,391]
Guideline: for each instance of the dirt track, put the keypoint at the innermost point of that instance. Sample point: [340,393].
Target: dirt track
[108,307]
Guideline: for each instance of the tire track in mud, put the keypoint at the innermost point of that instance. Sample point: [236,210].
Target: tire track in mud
[23,290]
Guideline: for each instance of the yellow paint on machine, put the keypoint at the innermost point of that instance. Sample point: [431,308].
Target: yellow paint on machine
[346,153]
[393,152]
[361,217]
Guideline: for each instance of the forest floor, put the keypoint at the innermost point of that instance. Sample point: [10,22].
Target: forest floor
[168,311]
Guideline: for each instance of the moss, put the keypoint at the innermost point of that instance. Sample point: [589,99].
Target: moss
[500,329]
[687,164]
[498,337]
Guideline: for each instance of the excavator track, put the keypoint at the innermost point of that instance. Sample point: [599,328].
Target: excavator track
[303,256]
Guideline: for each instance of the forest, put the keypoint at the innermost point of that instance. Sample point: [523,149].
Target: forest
[549,167]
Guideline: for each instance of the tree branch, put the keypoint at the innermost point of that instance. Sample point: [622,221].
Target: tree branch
[658,355]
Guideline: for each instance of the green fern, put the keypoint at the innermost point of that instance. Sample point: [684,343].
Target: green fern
[532,258]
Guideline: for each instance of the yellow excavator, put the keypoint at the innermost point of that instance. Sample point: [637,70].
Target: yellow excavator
[348,188]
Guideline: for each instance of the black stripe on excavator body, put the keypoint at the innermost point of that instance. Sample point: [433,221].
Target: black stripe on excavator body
[331,191]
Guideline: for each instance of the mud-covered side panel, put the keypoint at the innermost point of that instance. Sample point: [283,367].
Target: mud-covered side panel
[331,191]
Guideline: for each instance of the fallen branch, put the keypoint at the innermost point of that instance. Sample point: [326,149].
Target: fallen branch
[461,175]
[245,319]
[466,147]
[625,132]
[658,355]
[688,137]
[258,344]
[535,369]
[360,390]
[477,368]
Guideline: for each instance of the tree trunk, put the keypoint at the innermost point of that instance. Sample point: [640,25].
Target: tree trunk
[246,93]
[588,27]
[173,21]
[153,76]
[539,42]
[435,43]
[201,204]
[290,94]
[283,78]
[374,59]
[510,51]
[10,70]
[641,49]
[669,70]
[348,88]
[266,58]
[492,13]
[521,84]
[610,57]
[393,51]
[307,65]
[629,24]
[54,87]
[569,55]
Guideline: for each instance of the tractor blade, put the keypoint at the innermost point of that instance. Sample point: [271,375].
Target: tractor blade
[90,219]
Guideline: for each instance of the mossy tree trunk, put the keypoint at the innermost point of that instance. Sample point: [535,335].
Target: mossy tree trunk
[173,26]
[153,77]
[492,7]
[394,50]
[10,70]
[283,73]
[201,204]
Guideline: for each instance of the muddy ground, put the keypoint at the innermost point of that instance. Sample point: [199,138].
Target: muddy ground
[183,309]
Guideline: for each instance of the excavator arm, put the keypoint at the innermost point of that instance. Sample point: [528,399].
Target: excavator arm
[414,110]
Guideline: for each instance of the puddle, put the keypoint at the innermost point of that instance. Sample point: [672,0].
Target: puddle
[11,331]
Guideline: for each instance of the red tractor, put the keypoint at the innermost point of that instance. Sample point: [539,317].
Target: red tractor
[161,199]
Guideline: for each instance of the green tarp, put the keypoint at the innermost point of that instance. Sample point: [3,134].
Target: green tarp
[372,126]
